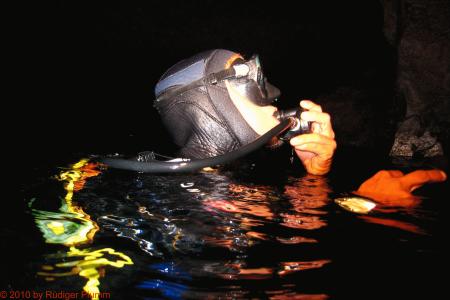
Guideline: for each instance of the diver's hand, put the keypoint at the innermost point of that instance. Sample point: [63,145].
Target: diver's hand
[393,188]
[315,149]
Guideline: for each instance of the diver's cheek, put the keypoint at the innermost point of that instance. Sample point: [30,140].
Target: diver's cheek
[269,112]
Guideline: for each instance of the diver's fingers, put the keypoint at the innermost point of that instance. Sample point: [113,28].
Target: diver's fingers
[316,143]
[383,174]
[380,179]
[309,138]
[321,150]
[309,105]
[395,173]
[315,116]
[418,178]
[321,119]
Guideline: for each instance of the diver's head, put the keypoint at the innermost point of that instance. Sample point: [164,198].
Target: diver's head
[215,102]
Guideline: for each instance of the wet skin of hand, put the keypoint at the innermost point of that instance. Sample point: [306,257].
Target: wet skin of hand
[393,188]
[315,149]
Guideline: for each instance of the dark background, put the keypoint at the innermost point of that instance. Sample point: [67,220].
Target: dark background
[87,70]
[84,74]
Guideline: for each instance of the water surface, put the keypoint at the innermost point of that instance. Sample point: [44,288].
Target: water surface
[217,235]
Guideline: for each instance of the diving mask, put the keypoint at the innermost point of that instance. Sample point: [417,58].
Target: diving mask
[251,82]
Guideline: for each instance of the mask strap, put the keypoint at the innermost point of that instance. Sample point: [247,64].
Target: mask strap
[235,71]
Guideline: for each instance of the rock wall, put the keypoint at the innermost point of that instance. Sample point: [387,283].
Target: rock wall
[419,30]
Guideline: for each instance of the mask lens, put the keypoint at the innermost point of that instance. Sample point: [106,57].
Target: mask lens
[260,80]
[254,85]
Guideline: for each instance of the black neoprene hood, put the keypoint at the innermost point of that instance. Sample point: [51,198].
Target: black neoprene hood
[196,108]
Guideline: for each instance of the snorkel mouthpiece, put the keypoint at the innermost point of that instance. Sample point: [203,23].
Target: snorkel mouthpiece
[298,127]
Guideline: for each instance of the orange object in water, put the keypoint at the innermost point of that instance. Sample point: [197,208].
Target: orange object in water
[393,188]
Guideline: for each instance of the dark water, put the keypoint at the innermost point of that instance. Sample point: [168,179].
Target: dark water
[215,235]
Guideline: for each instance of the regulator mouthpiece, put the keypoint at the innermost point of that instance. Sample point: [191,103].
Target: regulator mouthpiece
[299,126]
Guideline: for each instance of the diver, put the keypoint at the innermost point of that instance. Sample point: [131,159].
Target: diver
[217,107]
[213,119]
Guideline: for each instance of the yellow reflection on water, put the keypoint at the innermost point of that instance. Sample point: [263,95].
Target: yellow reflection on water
[90,266]
[71,226]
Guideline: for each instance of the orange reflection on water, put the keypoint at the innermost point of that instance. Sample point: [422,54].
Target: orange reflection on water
[250,207]
[257,235]
[252,273]
[296,296]
[291,267]
[249,201]
[307,195]
[296,240]
[238,270]
[394,223]
[87,171]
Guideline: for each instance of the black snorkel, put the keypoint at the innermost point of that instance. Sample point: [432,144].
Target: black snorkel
[184,165]
[290,125]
